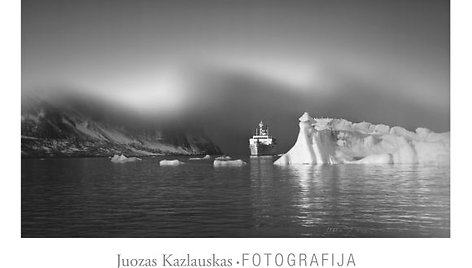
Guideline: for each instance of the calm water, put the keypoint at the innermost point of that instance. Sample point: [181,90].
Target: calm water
[92,197]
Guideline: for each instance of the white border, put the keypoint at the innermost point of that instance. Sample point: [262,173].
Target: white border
[17,252]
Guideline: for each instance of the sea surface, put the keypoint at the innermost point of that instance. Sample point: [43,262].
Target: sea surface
[92,197]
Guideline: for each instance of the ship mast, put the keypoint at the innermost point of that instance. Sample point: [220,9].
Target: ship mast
[263,129]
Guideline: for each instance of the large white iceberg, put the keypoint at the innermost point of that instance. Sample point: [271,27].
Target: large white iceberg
[123,159]
[335,141]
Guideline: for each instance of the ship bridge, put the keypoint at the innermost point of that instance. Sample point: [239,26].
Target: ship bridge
[262,143]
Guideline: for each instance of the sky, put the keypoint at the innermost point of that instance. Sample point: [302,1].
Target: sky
[229,63]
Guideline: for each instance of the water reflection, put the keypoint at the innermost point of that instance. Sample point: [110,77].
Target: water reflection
[358,200]
[95,198]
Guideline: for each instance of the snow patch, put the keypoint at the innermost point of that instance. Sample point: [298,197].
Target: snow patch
[83,127]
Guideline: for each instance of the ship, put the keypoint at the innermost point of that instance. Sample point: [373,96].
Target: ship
[262,143]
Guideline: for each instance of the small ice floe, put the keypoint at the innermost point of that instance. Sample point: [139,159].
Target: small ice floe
[224,157]
[123,159]
[174,162]
[229,163]
[206,157]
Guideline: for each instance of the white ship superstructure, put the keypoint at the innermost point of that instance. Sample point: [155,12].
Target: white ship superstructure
[262,143]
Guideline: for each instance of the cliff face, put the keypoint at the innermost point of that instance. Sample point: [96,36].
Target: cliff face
[79,127]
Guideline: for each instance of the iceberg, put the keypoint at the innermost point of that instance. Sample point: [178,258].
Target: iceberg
[174,162]
[228,163]
[337,141]
[123,159]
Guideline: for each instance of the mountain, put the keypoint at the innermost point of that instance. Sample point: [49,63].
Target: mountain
[75,125]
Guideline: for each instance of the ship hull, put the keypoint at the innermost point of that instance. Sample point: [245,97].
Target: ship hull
[262,149]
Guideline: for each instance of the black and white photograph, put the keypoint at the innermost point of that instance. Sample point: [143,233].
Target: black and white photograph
[235,119]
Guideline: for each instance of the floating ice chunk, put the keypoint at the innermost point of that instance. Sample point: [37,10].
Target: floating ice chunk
[123,159]
[206,157]
[229,163]
[174,162]
[224,157]
[118,158]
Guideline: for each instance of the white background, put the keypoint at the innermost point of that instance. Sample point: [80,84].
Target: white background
[23,252]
